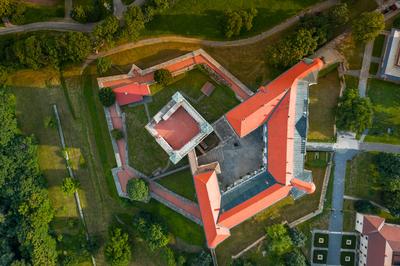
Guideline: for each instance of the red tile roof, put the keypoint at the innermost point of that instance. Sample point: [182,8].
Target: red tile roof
[308,187]
[209,199]
[252,206]
[383,240]
[131,93]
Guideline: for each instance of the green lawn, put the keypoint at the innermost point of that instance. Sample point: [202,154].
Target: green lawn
[351,82]
[41,12]
[349,241]
[378,46]
[349,216]
[181,183]
[385,97]
[204,18]
[373,68]
[323,101]
[353,52]
[322,252]
[350,258]
[321,240]
[362,179]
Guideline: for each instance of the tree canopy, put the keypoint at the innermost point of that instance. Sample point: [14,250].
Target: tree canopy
[152,231]
[106,96]
[117,250]
[279,241]
[69,185]
[238,21]
[368,26]
[103,64]
[24,204]
[353,113]
[163,76]
[134,22]
[138,189]
[106,31]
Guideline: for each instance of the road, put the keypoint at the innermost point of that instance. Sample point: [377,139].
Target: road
[66,26]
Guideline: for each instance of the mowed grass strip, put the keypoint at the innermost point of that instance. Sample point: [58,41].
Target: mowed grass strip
[205,18]
[323,101]
[385,97]
[362,178]
[378,46]
[37,11]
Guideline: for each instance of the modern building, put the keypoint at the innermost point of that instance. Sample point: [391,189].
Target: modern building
[390,68]
[379,241]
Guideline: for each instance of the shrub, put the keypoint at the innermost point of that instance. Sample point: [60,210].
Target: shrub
[118,250]
[364,206]
[50,122]
[279,241]
[353,113]
[153,232]
[138,190]
[117,134]
[69,185]
[3,75]
[339,14]
[103,64]
[238,21]
[202,259]
[163,76]
[298,238]
[106,96]
[295,258]
[368,26]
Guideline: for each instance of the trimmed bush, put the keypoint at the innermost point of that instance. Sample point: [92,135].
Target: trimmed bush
[117,134]
[106,96]
[103,64]
[138,190]
[163,76]
[69,185]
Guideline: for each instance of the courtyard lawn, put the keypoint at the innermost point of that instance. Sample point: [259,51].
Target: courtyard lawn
[385,97]
[189,84]
[378,46]
[323,101]
[44,10]
[320,256]
[349,241]
[362,179]
[347,258]
[180,183]
[321,240]
[204,18]
[285,210]
[145,154]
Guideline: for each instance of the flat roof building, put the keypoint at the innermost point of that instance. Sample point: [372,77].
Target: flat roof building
[390,68]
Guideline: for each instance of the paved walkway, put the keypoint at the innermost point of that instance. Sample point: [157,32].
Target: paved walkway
[53,25]
[119,8]
[336,219]
[364,73]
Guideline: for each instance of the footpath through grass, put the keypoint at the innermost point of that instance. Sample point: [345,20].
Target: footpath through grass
[385,98]
[323,101]
[205,18]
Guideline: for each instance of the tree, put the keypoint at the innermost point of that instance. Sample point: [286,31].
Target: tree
[73,47]
[29,52]
[202,259]
[353,113]
[79,13]
[138,190]
[163,76]
[103,64]
[105,32]
[117,134]
[247,18]
[3,75]
[156,236]
[339,14]
[298,238]
[368,26]
[233,23]
[106,96]
[364,206]
[388,165]
[295,258]
[279,241]
[134,22]
[117,250]
[6,7]
[292,49]
[7,117]
[69,185]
